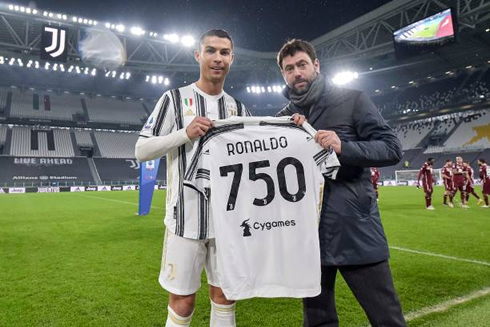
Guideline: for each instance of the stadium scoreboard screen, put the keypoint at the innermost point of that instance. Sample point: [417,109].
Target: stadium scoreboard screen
[425,35]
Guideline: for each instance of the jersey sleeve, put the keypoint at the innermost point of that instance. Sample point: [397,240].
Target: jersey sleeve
[162,119]
[246,112]
[327,162]
[159,135]
[242,111]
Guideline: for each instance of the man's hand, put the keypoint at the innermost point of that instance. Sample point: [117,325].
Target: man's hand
[329,139]
[198,127]
[299,119]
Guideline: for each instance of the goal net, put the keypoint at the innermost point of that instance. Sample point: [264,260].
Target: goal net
[409,177]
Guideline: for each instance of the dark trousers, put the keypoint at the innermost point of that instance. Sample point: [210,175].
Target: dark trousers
[372,286]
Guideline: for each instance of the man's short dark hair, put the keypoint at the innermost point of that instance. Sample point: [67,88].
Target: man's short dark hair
[482,160]
[430,159]
[448,160]
[292,46]
[219,33]
[466,162]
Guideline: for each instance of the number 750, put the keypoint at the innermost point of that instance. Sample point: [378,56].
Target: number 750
[253,175]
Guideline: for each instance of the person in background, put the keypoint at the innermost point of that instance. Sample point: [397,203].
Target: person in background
[460,175]
[425,174]
[485,180]
[469,186]
[374,180]
[447,178]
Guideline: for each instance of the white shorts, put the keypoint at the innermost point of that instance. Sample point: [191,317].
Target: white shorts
[183,260]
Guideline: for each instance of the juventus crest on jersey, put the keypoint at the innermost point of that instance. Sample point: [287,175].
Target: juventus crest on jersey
[263,179]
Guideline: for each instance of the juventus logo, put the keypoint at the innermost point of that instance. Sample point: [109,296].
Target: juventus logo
[134,164]
[57,46]
[54,44]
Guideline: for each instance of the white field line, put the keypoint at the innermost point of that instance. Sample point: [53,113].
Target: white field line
[444,306]
[484,263]
[118,201]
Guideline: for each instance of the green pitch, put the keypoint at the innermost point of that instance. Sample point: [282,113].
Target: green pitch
[428,32]
[85,259]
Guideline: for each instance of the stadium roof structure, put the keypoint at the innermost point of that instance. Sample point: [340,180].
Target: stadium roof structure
[364,45]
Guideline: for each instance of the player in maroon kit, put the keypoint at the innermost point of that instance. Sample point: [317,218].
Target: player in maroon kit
[427,182]
[460,175]
[485,180]
[447,177]
[375,179]
[469,187]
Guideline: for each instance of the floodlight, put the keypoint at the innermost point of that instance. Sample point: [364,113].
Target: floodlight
[344,77]
[174,38]
[188,41]
[137,31]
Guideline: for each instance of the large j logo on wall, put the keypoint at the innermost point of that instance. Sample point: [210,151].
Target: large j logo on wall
[53,43]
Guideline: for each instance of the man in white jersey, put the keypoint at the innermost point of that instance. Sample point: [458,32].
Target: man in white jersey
[179,119]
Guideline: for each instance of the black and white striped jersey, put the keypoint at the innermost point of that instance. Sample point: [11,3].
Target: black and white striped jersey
[263,179]
[174,112]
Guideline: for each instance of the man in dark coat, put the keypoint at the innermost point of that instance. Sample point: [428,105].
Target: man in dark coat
[352,238]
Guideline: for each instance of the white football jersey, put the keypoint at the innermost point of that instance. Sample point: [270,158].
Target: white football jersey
[175,110]
[264,178]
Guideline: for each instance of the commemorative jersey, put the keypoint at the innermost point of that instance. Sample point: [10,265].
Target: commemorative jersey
[485,174]
[458,173]
[263,177]
[174,111]
[426,174]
